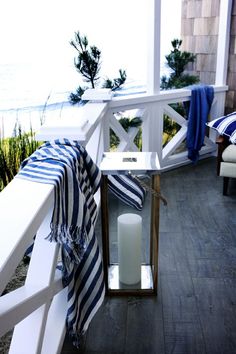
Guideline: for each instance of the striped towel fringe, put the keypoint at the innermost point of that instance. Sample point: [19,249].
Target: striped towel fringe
[76,178]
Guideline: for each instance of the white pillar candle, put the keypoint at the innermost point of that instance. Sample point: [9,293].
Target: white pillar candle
[129,248]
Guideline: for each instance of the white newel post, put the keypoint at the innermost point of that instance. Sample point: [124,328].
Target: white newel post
[153,129]
[153,50]
[223,42]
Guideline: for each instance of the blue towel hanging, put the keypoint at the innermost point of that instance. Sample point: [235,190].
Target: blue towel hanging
[200,105]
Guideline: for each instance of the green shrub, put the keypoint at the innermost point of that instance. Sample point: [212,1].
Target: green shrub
[177,60]
[13,151]
[126,123]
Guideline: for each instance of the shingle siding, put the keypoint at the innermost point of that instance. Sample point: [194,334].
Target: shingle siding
[200,25]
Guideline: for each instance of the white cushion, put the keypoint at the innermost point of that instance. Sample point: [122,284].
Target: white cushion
[228,169]
[229,154]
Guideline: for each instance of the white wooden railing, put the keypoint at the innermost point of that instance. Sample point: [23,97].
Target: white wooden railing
[37,310]
[152,109]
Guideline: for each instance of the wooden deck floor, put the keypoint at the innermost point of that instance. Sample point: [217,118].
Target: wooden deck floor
[195,310]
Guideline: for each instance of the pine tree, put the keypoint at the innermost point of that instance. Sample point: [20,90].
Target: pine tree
[116,83]
[177,60]
[88,64]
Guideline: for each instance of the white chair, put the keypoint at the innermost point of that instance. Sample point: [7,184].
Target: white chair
[228,166]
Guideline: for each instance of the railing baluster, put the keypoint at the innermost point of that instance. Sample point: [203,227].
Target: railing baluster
[45,254]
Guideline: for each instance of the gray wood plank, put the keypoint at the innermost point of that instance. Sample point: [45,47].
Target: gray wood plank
[145,326]
[217,312]
[107,331]
[184,338]
[182,327]
[173,253]
[179,303]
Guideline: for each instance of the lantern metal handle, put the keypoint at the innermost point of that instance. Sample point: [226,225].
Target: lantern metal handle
[150,189]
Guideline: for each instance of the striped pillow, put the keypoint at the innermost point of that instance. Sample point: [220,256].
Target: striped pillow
[225,125]
[127,189]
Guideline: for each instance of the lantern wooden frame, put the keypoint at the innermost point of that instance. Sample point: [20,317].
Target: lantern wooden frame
[145,163]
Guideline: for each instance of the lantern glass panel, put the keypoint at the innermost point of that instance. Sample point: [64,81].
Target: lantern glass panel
[116,209]
[128,244]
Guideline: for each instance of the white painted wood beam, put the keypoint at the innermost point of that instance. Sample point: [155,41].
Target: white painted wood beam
[175,115]
[79,125]
[24,205]
[174,143]
[153,50]
[223,42]
[20,303]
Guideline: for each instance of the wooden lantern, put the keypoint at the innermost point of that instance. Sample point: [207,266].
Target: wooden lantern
[121,278]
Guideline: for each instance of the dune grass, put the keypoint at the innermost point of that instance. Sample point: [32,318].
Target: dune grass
[13,151]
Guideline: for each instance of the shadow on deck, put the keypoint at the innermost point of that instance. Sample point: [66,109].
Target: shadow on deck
[195,310]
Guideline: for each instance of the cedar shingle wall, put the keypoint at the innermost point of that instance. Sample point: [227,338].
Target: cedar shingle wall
[199,32]
[199,29]
[231,77]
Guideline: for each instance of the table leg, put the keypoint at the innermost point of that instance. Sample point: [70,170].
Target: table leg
[154,240]
[105,228]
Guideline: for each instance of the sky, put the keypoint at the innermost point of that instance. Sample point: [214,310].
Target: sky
[39,32]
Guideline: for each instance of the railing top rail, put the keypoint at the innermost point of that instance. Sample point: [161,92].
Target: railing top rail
[166,95]
[75,124]
[24,205]
[79,124]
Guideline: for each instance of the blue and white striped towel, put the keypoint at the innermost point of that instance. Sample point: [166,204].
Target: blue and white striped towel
[68,166]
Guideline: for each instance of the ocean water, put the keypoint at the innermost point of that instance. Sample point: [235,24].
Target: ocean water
[31,94]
